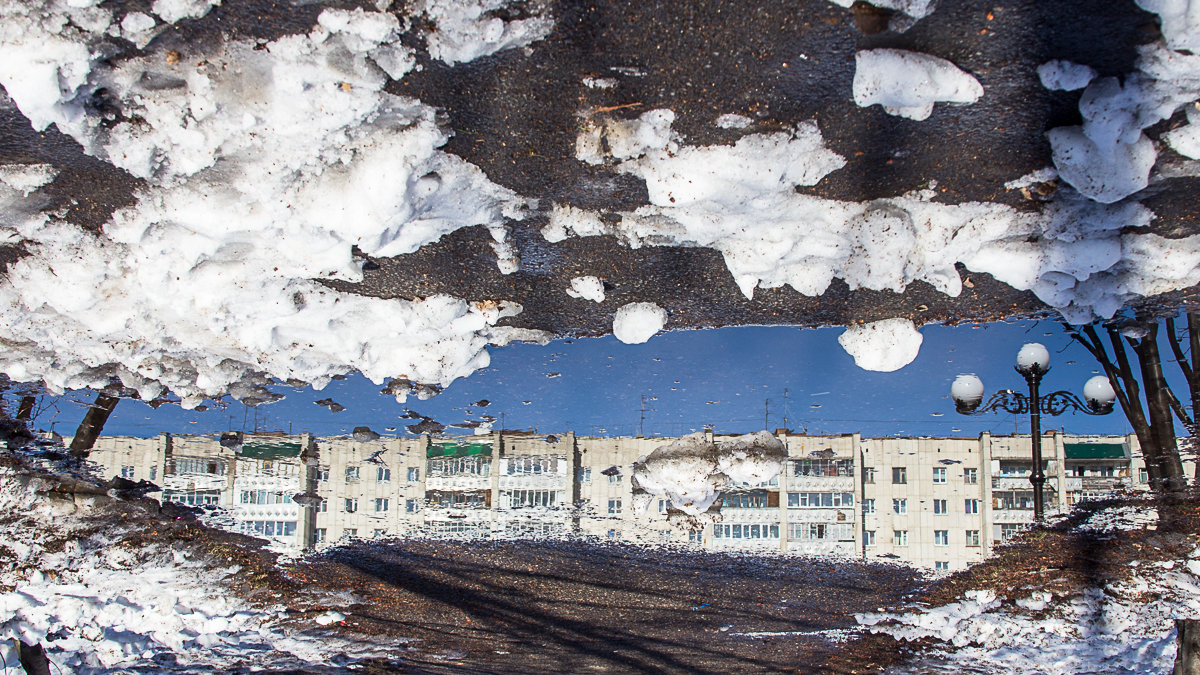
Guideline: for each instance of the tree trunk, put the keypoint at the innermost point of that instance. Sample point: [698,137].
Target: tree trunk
[1193,322]
[92,424]
[1161,418]
[1187,656]
[33,659]
[25,410]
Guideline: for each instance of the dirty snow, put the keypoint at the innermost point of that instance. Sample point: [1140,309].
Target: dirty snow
[176,10]
[637,322]
[1122,518]
[1123,627]
[103,608]
[1032,178]
[1186,139]
[917,9]
[692,471]
[624,139]
[734,121]
[469,29]
[907,84]
[569,221]
[205,284]
[1065,75]
[1179,20]
[882,346]
[588,288]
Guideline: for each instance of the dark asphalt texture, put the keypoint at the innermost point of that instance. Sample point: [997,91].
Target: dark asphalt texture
[782,62]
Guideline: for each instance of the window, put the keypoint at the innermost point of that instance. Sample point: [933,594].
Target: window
[322,506]
[269,528]
[323,474]
[941,566]
[584,474]
[971,506]
[472,499]
[745,531]
[828,500]
[869,474]
[377,533]
[823,467]
[696,536]
[899,537]
[868,537]
[127,471]
[939,474]
[899,475]
[614,478]
[410,506]
[153,472]
[900,506]
[746,500]
[941,537]
[321,535]
[350,532]
[971,476]
[383,474]
[614,506]
[972,537]
[460,466]
[414,474]
[351,473]
[939,507]
[520,498]
[381,505]
[531,466]
[351,505]
[1143,476]
[868,506]
[820,531]
[1010,530]
[662,506]
[264,497]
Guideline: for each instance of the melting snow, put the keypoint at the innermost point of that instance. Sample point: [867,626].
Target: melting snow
[908,83]
[1065,75]
[469,29]
[588,288]
[692,470]
[637,322]
[883,346]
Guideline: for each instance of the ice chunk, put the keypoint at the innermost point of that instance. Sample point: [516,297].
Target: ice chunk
[1104,172]
[174,10]
[626,139]
[1180,21]
[568,221]
[469,29]
[1032,178]
[692,470]
[733,121]
[637,322]
[882,346]
[1065,75]
[588,288]
[26,178]
[1186,139]
[908,83]
[917,9]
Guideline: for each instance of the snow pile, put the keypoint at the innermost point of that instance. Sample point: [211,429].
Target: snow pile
[588,288]
[264,168]
[624,139]
[742,200]
[1121,628]
[1065,75]
[1123,518]
[692,471]
[469,29]
[176,10]
[1044,175]
[637,322]
[1186,139]
[1108,158]
[907,84]
[97,605]
[882,346]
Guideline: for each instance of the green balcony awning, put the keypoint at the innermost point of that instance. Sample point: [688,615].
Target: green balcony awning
[453,449]
[1095,450]
[269,450]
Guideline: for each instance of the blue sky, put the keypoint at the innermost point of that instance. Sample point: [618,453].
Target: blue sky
[690,379]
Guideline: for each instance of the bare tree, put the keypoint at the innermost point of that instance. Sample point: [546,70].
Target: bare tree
[1145,396]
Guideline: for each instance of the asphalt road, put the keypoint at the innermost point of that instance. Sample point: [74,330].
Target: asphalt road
[516,114]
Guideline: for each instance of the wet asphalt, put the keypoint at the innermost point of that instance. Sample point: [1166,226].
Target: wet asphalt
[516,114]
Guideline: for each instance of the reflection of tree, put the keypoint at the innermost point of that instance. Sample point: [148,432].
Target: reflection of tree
[92,424]
[1153,423]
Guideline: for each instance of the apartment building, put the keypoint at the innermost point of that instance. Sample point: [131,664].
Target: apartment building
[936,503]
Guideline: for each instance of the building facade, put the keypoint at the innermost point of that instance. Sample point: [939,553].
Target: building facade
[936,503]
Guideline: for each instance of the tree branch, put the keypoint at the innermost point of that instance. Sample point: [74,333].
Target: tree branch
[1177,350]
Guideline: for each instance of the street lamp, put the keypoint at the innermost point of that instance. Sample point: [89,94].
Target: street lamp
[1033,361]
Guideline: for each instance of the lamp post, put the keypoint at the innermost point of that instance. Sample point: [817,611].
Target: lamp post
[1033,362]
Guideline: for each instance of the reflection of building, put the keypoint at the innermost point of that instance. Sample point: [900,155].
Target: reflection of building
[939,503]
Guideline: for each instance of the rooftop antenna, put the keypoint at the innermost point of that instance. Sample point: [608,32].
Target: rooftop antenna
[642,418]
[766,412]
[785,408]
